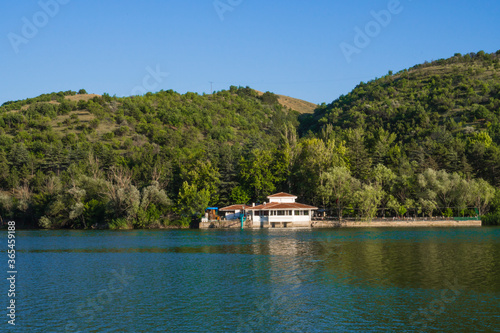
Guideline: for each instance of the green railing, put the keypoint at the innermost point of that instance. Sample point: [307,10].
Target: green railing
[477,218]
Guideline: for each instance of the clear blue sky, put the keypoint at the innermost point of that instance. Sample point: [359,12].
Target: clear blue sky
[288,47]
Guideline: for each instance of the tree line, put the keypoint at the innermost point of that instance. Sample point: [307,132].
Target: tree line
[410,143]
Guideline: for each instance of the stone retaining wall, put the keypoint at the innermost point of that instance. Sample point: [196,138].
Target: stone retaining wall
[236,224]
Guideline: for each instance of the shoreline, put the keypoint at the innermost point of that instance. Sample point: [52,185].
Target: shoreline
[319,224]
[235,224]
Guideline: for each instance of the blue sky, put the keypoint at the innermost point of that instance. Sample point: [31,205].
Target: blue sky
[295,48]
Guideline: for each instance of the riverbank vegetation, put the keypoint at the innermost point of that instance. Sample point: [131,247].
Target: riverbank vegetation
[424,141]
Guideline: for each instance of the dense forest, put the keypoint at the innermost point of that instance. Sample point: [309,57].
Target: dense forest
[421,142]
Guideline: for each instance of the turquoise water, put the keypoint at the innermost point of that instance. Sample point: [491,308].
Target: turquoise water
[326,280]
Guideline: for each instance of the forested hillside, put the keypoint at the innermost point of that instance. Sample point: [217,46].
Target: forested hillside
[423,141]
[77,160]
[442,116]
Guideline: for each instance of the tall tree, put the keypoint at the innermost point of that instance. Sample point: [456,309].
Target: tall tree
[337,186]
[357,153]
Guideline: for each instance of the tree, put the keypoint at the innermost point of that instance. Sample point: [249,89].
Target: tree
[192,202]
[203,175]
[384,178]
[427,206]
[6,206]
[314,157]
[394,205]
[239,196]
[358,156]
[82,92]
[384,140]
[124,198]
[337,186]
[438,185]
[19,155]
[4,169]
[368,198]
[154,201]
[75,204]
[481,194]
[256,174]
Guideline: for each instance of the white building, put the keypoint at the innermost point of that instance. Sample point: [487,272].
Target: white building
[233,212]
[280,211]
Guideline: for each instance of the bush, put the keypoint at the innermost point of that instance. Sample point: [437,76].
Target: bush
[182,222]
[491,219]
[45,222]
[448,212]
[119,223]
[82,105]
[94,123]
[122,130]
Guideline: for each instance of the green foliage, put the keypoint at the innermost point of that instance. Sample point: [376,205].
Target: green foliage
[491,219]
[45,223]
[448,212]
[239,195]
[269,98]
[367,199]
[256,174]
[420,141]
[119,223]
[337,187]
[441,115]
[192,202]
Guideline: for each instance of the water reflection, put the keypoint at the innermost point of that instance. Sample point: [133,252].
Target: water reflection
[403,258]
[264,280]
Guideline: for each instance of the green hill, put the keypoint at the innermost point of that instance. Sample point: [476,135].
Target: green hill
[423,141]
[164,138]
[444,115]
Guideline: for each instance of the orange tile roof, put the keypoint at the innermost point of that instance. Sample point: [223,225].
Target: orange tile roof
[234,207]
[281,194]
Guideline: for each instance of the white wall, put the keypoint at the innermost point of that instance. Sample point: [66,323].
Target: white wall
[233,216]
[296,219]
[282,199]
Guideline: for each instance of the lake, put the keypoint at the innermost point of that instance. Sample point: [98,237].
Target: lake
[324,280]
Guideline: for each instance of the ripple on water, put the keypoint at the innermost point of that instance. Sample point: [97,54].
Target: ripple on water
[261,281]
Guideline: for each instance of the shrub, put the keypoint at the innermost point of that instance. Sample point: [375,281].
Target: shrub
[94,123]
[491,219]
[119,223]
[45,223]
